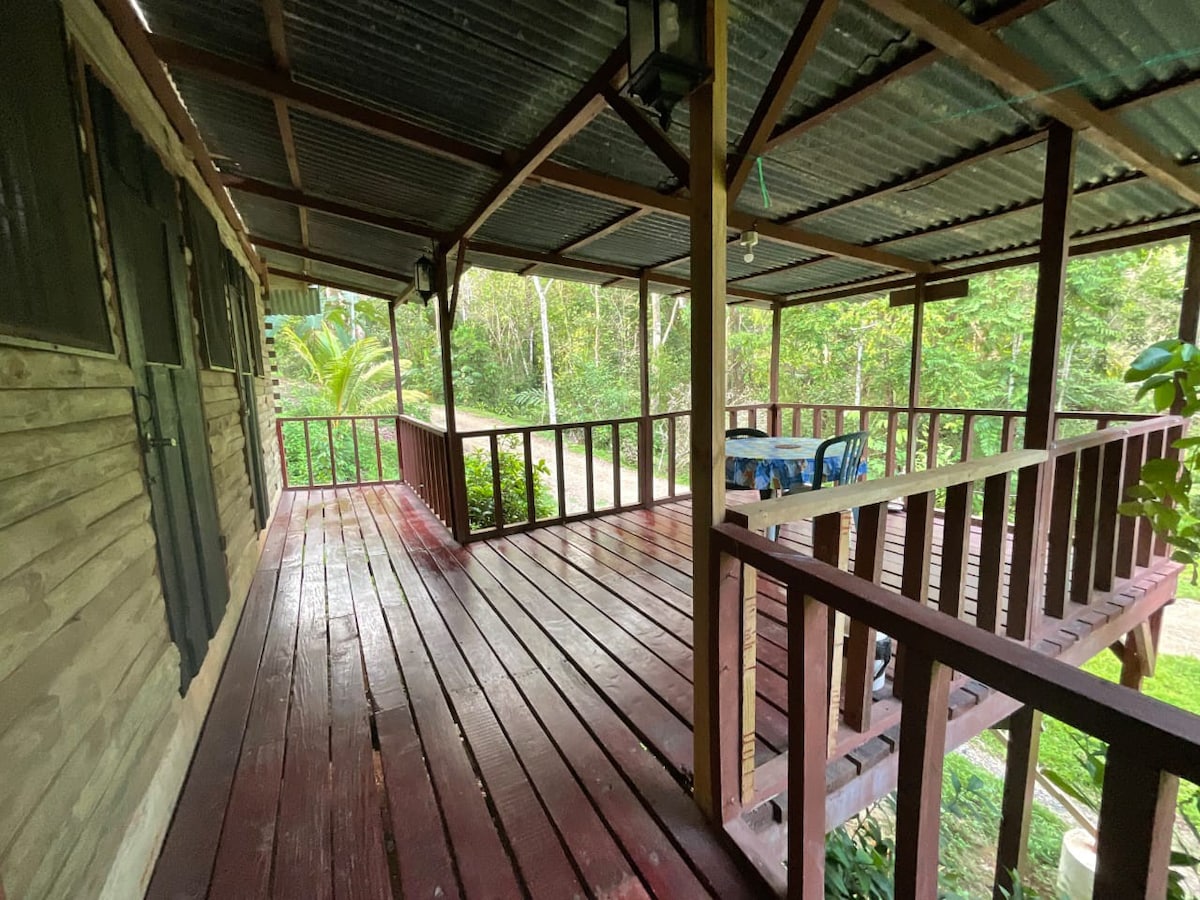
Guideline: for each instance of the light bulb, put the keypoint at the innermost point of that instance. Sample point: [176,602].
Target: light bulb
[749,256]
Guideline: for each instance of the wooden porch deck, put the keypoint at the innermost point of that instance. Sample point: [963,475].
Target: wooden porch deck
[401,716]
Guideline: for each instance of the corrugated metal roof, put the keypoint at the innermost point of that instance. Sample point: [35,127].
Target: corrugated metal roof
[351,278]
[495,74]
[365,243]
[268,218]
[239,128]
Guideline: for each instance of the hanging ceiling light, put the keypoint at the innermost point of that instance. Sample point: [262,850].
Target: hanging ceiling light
[666,52]
[748,241]
[423,278]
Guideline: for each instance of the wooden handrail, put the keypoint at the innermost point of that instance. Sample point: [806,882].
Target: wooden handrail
[1114,432]
[1168,737]
[423,426]
[797,507]
[547,426]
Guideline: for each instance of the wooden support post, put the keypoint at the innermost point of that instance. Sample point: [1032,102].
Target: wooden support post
[708,138]
[396,360]
[914,371]
[918,559]
[807,756]
[454,456]
[1020,769]
[645,426]
[1189,309]
[924,702]
[774,425]
[1137,818]
[1139,657]
[870,541]
[831,544]
[1034,483]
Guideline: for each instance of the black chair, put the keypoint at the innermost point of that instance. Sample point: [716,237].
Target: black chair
[851,447]
[734,433]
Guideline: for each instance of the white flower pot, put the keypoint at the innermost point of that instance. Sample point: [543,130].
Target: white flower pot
[1077,865]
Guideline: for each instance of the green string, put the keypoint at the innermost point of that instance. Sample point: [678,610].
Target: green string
[762,184]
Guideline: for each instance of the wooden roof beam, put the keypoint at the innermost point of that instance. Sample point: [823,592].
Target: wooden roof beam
[651,134]
[138,42]
[332,283]
[921,60]
[1018,76]
[326,205]
[273,13]
[796,55]
[973,157]
[583,107]
[329,259]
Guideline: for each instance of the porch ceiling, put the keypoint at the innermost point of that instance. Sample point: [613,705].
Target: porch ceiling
[884,142]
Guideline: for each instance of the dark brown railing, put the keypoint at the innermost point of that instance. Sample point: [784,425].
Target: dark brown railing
[427,465]
[1087,555]
[922,438]
[338,451]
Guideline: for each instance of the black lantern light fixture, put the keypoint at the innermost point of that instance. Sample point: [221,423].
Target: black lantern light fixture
[423,278]
[666,52]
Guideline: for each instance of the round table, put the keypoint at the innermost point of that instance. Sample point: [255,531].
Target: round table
[776,463]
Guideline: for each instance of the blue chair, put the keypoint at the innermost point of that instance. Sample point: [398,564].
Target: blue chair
[851,447]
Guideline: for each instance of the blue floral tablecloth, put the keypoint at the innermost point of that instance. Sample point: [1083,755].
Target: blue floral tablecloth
[777,463]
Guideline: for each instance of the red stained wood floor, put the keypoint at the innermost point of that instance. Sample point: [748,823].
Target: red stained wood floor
[404,717]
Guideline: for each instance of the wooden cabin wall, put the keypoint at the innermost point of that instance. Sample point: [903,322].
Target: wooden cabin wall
[95,739]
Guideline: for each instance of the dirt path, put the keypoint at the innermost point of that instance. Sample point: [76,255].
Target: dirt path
[574,464]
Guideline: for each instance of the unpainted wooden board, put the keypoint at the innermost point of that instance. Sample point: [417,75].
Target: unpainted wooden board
[28,451]
[46,369]
[25,495]
[47,408]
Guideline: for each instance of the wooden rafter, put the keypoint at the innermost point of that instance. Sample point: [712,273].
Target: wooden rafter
[582,108]
[326,205]
[796,55]
[650,132]
[269,84]
[133,35]
[990,57]
[923,58]
[328,258]
[273,13]
[977,155]
[330,282]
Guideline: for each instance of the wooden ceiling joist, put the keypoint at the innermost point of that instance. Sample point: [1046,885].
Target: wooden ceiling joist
[273,13]
[331,283]
[582,108]
[923,58]
[329,259]
[796,55]
[651,134]
[326,205]
[133,35]
[988,56]
[270,84]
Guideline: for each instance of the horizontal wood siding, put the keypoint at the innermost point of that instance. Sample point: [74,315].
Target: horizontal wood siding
[94,736]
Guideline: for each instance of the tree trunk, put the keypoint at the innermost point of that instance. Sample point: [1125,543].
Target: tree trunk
[858,374]
[547,365]
[596,342]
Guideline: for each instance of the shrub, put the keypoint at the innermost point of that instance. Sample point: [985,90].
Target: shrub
[481,506]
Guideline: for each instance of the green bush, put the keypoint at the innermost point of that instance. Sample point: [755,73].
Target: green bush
[481,505]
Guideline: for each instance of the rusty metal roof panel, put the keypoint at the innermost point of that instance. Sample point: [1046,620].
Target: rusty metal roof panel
[545,217]
[239,128]
[359,242]
[337,161]
[268,218]
[492,73]
[233,28]
[648,241]
[608,145]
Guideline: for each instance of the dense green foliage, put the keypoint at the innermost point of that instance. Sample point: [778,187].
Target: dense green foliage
[481,494]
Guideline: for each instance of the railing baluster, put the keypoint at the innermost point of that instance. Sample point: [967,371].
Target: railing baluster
[968,437]
[1146,546]
[671,456]
[831,544]
[1137,820]
[357,463]
[589,462]
[1127,530]
[918,557]
[616,465]
[839,420]
[924,703]
[1058,541]
[1020,767]
[283,460]
[870,540]
[530,492]
[379,449]
[308,452]
[956,548]
[993,541]
[889,460]
[497,495]
[561,475]
[807,732]
[1087,502]
[933,437]
[796,422]
[818,421]
[1008,436]
[332,456]
[1111,466]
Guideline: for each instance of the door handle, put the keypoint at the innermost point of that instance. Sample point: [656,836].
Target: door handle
[160,442]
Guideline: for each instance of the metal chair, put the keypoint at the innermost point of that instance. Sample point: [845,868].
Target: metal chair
[852,445]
